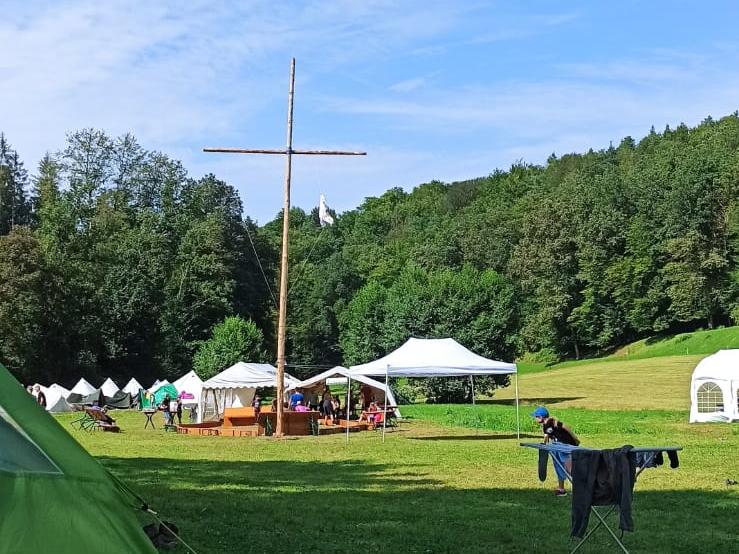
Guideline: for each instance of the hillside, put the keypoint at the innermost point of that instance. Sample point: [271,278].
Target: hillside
[651,373]
[650,383]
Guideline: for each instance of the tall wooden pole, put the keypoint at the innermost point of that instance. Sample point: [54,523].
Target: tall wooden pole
[288,152]
[282,320]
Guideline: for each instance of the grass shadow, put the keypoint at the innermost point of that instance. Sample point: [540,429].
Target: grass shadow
[341,506]
[483,437]
[527,401]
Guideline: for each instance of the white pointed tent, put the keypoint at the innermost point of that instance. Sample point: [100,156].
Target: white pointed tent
[56,399]
[189,383]
[714,388]
[341,375]
[158,384]
[63,392]
[235,388]
[109,387]
[435,358]
[83,388]
[132,387]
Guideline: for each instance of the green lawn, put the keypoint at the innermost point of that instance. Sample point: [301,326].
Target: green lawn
[650,383]
[452,479]
[697,344]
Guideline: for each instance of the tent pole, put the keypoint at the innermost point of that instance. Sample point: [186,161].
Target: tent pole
[472,384]
[518,420]
[348,404]
[384,415]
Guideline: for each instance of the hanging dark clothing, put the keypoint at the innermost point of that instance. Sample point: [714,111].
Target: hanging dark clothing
[646,459]
[602,478]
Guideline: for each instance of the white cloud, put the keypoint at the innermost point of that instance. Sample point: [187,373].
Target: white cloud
[408,85]
[183,75]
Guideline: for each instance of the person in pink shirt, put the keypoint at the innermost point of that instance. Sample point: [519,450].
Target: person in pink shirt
[300,408]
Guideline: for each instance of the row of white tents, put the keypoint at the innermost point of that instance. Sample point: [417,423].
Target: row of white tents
[237,385]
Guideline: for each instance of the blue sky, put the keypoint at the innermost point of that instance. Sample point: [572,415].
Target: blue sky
[431,90]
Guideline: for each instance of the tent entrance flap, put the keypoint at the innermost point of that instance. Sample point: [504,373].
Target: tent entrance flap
[19,454]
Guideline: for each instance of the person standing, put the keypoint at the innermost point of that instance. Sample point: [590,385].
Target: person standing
[556,431]
[328,407]
[40,396]
[165,406]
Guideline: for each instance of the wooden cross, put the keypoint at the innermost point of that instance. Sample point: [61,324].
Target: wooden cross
[288,153]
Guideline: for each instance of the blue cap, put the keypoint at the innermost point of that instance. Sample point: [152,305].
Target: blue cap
[541,411]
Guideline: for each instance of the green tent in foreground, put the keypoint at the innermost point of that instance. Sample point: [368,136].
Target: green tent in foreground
[55,496]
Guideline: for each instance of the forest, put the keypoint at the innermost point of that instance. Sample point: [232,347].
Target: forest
[114,261]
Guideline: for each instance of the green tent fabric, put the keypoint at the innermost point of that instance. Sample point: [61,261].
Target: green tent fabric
[120,400]
[158,396]
[88,399]
[55,496]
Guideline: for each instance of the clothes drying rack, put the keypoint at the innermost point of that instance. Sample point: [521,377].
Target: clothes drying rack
[650,454]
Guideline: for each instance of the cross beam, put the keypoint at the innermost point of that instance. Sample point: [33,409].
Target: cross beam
[288,152]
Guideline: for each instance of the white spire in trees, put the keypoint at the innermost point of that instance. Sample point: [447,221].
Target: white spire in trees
[324,217]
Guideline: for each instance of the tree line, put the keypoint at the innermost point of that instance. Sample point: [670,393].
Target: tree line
[114,261]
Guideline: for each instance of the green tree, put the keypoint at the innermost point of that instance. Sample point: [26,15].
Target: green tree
[231,341]
[15,207]
[22,288]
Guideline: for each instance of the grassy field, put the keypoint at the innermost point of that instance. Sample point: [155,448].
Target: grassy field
[696,344]
[649,383]
[451,479]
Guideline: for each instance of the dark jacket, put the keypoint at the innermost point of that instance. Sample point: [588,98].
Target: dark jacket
[600,478]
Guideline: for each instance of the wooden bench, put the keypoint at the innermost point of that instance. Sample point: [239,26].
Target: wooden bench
[241,417]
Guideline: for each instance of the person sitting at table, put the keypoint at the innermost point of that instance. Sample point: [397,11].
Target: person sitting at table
[370,415]
[300,408]
[296,397]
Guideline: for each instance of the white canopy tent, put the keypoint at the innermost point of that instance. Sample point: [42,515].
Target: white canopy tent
[192,384]
[109,387]
[83,387]
[132,387]
[714,388]
[339,376]
[436,358]
[235,388]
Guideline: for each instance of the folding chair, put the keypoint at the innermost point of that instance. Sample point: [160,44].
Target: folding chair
[99,420]
[649,456]
[82,421]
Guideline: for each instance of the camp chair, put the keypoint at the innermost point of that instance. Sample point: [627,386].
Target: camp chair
[101,420]
[648,454]
[85,421]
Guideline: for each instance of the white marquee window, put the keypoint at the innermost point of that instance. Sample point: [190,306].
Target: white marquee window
[710,398]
